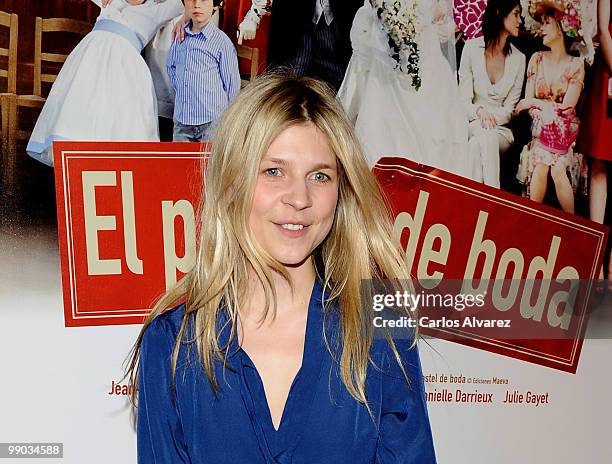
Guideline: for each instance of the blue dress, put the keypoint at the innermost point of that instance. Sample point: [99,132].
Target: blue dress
[321,422]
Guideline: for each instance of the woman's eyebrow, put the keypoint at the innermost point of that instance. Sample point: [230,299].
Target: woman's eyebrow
[284,162]
[280,161]
[324,166]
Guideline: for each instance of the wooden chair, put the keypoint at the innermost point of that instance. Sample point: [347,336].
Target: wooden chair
[250,54]
[8,71]
[36,100]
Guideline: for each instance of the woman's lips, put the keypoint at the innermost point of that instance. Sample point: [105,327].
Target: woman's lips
[292,230]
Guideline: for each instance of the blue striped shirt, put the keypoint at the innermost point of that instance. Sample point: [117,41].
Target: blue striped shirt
[203,70]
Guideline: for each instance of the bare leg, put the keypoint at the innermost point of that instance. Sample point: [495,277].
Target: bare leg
[598,192]
[563,187]
[539,179]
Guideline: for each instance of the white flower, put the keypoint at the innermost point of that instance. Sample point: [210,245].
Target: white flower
[402,25]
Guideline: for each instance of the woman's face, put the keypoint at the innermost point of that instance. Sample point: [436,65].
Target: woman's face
[295,196]
[550,30]
[513,21]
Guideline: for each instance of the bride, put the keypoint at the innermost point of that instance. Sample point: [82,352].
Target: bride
[400,89]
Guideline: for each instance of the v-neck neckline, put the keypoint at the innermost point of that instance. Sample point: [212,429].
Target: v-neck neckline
[248,362]
[546,71]
[295,415]
[504,74]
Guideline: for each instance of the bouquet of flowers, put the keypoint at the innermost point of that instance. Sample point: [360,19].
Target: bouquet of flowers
[401,23]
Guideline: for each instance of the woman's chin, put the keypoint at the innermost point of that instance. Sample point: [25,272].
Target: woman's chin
[291,259]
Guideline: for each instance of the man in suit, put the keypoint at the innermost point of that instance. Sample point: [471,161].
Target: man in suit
[311,36]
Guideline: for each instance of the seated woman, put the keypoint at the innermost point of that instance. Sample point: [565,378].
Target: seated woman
[490,82]
[272,356]
[554,83]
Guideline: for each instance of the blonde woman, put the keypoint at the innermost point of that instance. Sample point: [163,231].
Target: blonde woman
[271,357]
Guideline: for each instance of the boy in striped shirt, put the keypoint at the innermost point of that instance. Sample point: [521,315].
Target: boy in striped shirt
[203,70]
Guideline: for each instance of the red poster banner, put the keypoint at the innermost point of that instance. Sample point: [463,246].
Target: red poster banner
[127,227]
[484,240]
[126,223]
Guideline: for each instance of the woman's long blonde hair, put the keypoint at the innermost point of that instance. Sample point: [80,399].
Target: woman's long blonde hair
[359,246]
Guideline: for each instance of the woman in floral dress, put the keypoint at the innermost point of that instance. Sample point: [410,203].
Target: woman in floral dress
[554,83]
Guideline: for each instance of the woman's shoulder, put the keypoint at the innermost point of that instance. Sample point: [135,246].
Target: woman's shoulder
[474,44]
[516,53]
[401,377]
[166,325]
[394,360]
[577,62]
[158,340]
[537,58]
[517,60]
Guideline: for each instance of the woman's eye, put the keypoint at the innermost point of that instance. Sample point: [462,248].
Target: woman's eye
[274,172]
[320,177]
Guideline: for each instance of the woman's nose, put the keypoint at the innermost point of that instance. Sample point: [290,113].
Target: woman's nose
[297,194]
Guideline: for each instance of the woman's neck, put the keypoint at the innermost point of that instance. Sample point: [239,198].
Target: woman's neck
[497,48]
[293,295]
[557,51]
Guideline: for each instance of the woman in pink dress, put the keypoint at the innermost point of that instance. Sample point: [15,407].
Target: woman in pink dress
[554,83]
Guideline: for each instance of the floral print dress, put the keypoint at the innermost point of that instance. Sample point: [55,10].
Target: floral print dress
[553,90]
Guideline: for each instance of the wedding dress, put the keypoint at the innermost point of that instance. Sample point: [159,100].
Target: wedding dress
[392,117]
[104,90]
